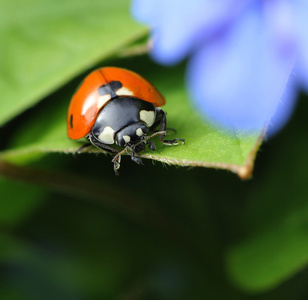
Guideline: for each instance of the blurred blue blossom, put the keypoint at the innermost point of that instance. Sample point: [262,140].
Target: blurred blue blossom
[247,59]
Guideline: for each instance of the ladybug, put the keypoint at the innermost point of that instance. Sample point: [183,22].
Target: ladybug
[117,106]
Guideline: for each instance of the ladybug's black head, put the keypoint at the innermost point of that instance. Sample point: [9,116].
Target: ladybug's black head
[132,135]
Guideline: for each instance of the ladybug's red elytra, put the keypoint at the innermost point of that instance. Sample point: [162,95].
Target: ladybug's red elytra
[117,106]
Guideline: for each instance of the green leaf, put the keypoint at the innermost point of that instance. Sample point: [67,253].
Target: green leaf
[265,260]
[205,145]
[44,44]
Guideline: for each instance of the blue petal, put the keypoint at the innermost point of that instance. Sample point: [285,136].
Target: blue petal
[301,25]
[178,26]
[147,11]
[285,107]
[239,79]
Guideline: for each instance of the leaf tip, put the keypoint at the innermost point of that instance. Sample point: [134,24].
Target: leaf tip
[245,172]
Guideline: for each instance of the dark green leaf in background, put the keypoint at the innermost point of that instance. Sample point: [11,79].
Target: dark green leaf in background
[17,201]
[276,217]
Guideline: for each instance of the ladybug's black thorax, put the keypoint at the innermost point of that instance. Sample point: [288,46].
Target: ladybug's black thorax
[124,117]
[121,112]
[110,89]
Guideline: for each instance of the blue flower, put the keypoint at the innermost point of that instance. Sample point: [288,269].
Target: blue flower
[247,59]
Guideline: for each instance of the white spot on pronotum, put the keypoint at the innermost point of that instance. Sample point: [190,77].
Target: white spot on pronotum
[123,91]
[107,136]
[102,100]
[147,116]
[139,132]
[126,138]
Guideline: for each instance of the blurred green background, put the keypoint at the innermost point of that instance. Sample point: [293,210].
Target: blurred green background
[70,229]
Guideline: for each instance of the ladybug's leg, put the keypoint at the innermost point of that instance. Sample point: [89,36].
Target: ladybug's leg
[136,159]
[102,146]
[151,145]
[84,146]
[162,122]
[98,145]
[108,148]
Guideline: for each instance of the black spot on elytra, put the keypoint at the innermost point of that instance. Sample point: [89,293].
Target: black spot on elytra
[71,121]
[110,89]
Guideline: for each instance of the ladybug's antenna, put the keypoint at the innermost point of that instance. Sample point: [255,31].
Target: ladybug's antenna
[118,156]
[156,133]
